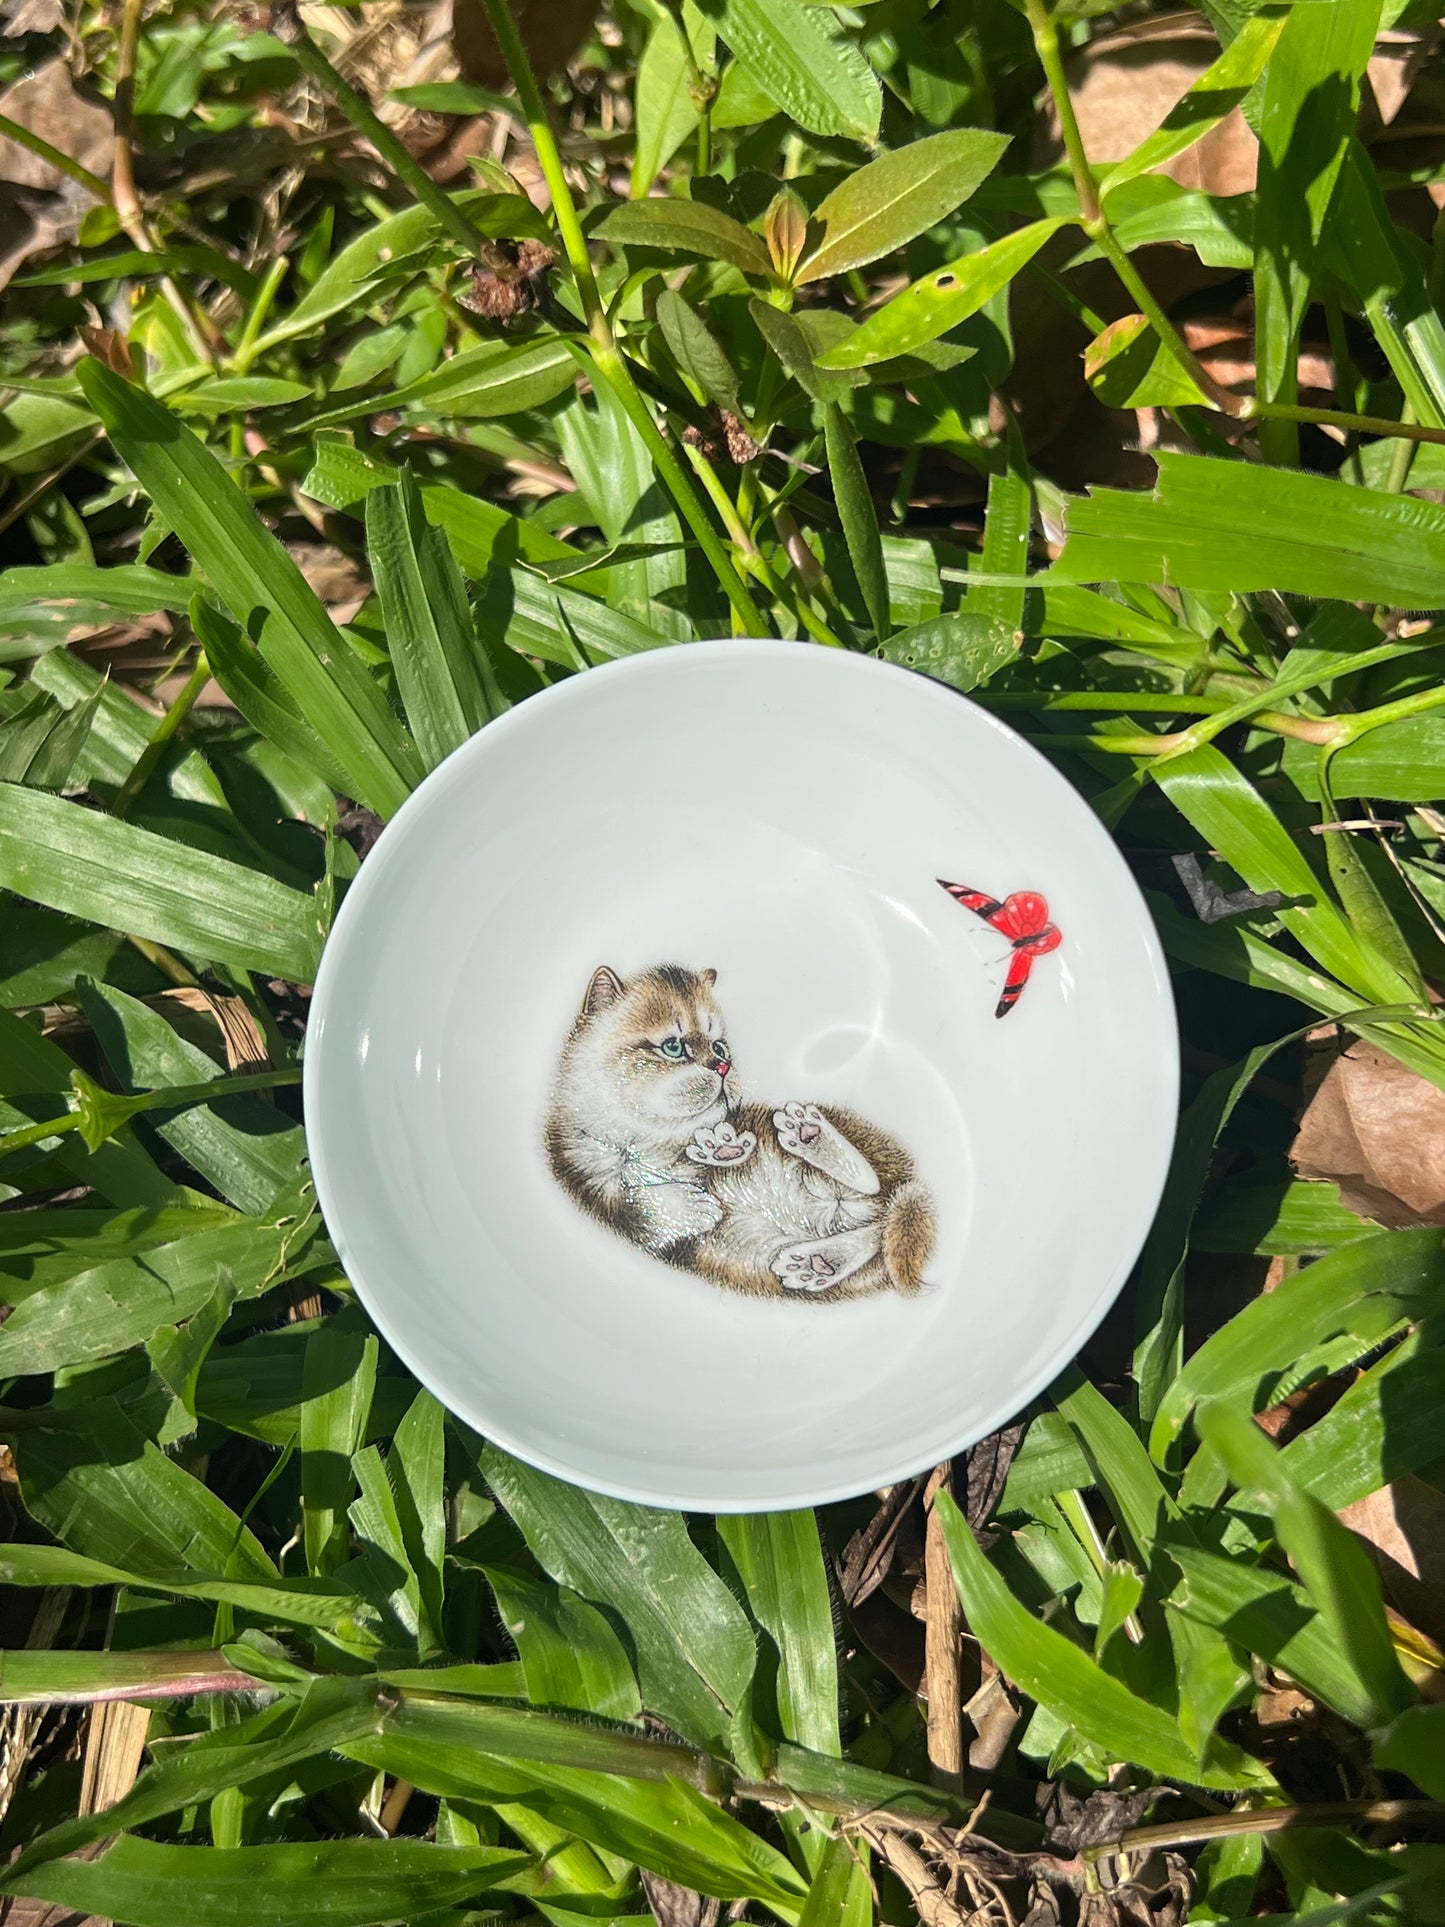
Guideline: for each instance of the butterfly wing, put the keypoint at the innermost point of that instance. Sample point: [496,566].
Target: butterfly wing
[979,901]
[1020,964]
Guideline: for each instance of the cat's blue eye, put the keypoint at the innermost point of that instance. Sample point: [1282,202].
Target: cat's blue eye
[673,1047]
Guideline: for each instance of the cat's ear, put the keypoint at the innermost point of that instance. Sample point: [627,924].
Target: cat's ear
[605,988]
[707,978]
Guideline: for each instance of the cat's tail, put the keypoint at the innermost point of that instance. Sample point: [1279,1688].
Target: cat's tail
[907,1237]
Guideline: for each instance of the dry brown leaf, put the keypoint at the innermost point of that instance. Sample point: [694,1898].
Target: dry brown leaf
[46,103]
[1403,1524]
[1377,1130]
[551,30]
[1123,85]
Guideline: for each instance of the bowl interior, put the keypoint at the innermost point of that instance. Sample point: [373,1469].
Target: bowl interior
[780,814]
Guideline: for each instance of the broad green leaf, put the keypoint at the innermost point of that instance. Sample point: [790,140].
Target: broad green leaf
[1385,1427]
[1218,90]
[75,1678]
[1307,117]
[417,1467]
[383,1570]
[841,1894]
[1337,1571]
[694,227]
[1159,1317]
[1048,1461]
[796,348]
[1128,366]
[694,1648]
[1414,1743]
[329,1713]
[780,1562]
[295,1602]
[177,1353]
[240,394]
[1401,762]
[1209,1675]
[313,1883]
[494,378]
[379,253]
[91,594]
[89,1475]
[817,77]
[897,197]
[1051,1669]
[663,106]
[247,1148]
[697,350]
[1120,1593]
[259,695]
[1238,526]
[941,300]
[126,1300]
[1233,950]
[1368,251]
[1006,523]
[40,1248]
[964,648]
[42,431]
[434,648]
[1265,1613]
[35,1082]
[570,1655]
[92,866]
[858,516]
[1365,1286]
[741,101]
[337,1381]
[1287,1220]
[577,1777]
[1212,794]
[262,588]
[557,623]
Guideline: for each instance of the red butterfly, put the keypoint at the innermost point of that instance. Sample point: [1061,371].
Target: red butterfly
[1024,919]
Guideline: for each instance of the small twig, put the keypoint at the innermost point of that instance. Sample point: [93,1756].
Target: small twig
[1378,824]
[943,1632]
[1271,1820]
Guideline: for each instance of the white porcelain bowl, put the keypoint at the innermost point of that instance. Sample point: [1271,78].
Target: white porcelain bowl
[592,1264]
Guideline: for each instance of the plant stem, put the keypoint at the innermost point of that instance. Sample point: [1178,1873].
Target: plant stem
[549,159]
[54,157]
[1046,41]
[606,357]
[204,336]
[1251,408]
[165,729]
[364,118]
[176,1097]
[1095,222]
[265,295]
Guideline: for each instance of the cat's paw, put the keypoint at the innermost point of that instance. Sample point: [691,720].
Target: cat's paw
[805,1133]
[804,1268]
[721,1145]
[799,1127]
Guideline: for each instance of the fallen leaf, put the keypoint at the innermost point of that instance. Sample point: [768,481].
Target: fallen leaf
[1124,83]
[1378,1131]
[1403,1524]
[46,103]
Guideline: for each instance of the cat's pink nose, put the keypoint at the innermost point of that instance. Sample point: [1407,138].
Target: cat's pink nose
[723,1068]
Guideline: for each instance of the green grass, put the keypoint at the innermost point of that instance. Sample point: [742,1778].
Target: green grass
[716,408]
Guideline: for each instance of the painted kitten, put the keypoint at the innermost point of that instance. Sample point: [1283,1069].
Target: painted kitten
[647,1131]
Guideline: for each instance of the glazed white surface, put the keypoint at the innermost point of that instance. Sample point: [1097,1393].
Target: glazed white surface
[778,812]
